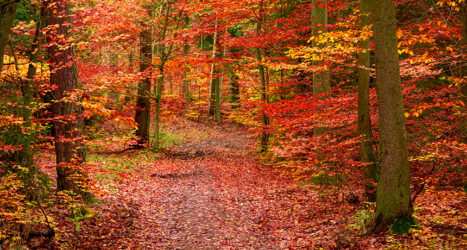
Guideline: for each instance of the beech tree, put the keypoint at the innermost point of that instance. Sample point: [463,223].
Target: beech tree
[393,201]
[143,105]
[68,125]
[367,153]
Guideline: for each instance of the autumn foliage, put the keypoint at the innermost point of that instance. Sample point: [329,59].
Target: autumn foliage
[235,125]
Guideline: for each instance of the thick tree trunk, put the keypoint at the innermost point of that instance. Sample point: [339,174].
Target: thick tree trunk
[7,15]
[393,201]
[68,126]
[321,81]
[463,88]
[143,105]
[367,153]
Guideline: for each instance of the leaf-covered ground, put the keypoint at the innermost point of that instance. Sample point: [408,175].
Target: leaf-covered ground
[211,191]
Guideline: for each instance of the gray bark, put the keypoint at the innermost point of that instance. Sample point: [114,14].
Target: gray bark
[367,153]
[393,199]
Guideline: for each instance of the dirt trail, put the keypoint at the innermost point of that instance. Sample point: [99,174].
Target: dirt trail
[215,194]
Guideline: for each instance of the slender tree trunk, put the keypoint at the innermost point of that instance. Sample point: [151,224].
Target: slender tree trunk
[7,15]
[28,92]
[163,55]
[68,126]
[219,97]
[158,91]
[321,82]
[264,118]
[234,88]
[143,105]
[171,84]
[212,87]
[393,201]
[367,153]
[186,48]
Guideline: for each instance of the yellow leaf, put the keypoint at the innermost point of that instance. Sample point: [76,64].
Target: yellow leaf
[406,114]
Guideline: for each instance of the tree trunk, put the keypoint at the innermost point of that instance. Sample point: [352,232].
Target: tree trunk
[463,88]
[68,126]
[212,87]
[28,94]
[143,105]
[264,118]
[234,88]
[393,201]
[367,153]
[321,82]
[219,97]
[7,15]
[186,48]
[158,91]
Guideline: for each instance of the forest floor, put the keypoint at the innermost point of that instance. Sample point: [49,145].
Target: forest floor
[208,190]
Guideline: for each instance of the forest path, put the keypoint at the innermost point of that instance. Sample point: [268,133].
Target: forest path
[214,193]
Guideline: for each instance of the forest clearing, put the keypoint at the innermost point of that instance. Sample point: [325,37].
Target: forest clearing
[249,124]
